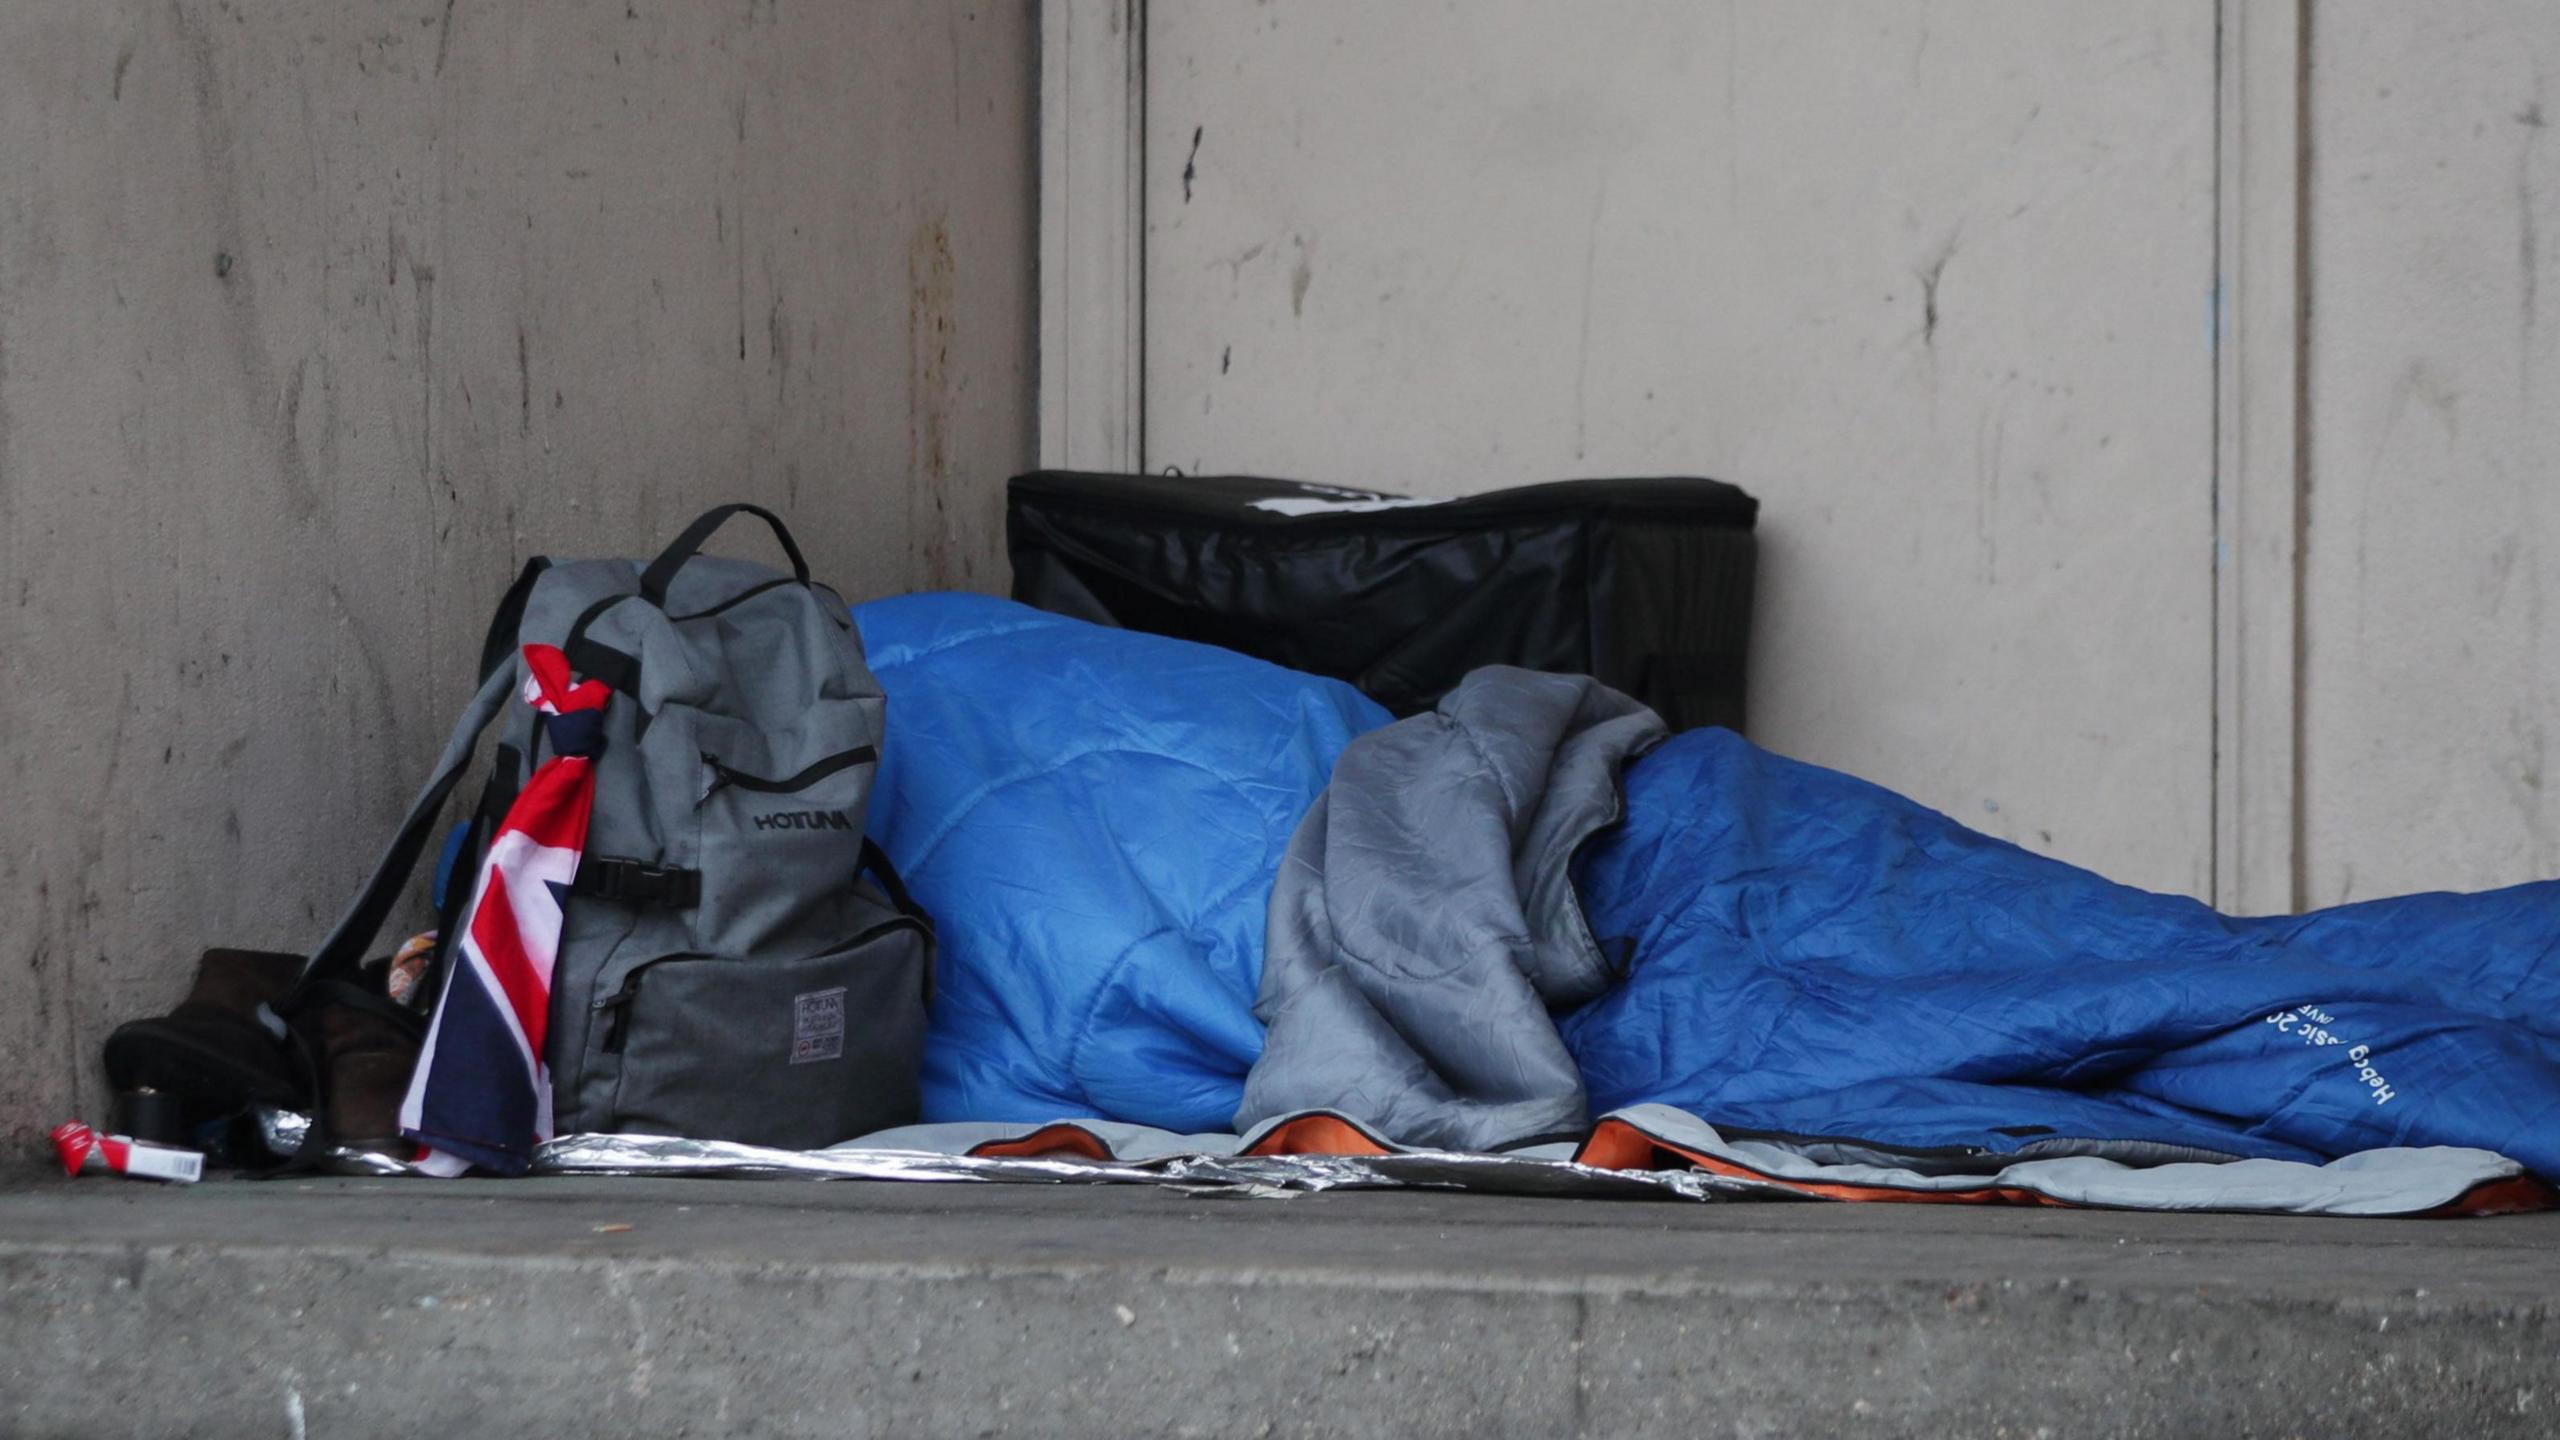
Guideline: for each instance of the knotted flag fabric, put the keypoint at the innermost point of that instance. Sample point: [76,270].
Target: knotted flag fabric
[481,1093]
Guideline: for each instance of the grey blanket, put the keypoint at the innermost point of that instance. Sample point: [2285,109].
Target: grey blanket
[1424,927]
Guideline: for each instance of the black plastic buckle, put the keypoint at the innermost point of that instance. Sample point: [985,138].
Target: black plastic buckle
[637,882]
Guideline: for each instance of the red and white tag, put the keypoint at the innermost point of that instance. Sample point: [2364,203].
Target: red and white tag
[86,1152]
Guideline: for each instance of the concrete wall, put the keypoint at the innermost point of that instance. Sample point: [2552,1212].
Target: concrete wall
[1935,282]
[1939,283]
[316,318]
[2431,663]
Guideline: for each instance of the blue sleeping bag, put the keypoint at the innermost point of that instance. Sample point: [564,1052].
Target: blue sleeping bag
[1817,956]
[1094,816]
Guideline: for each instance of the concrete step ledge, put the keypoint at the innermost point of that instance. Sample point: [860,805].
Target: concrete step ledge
[841,1309]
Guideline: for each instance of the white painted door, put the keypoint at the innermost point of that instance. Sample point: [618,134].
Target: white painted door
[1934,281]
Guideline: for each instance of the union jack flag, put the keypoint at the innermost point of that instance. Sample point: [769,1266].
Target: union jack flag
[481,1094]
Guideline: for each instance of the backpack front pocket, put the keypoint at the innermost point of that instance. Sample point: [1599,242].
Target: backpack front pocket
[778,826]
[796,1054]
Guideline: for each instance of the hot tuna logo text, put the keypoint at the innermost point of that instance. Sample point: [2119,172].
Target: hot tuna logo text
[805,820]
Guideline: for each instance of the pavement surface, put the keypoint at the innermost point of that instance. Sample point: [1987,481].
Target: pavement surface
[597,1306]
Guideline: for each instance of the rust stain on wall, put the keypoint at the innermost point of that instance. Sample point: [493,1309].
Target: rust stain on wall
[938,559]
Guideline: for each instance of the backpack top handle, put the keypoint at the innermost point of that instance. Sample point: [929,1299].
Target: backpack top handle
[662,571]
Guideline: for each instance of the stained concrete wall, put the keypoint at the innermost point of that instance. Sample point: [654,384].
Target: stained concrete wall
[1935,282]
[316,318]
[2431,661]
[1939,284]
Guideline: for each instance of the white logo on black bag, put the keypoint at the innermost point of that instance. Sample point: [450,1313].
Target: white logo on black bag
[817,1026]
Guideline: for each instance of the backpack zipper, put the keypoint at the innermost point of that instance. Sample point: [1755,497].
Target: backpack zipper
[723,777]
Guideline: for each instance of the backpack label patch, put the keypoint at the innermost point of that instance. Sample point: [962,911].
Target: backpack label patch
[817,1026]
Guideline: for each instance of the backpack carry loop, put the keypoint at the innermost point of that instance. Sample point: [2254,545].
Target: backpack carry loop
[662,571]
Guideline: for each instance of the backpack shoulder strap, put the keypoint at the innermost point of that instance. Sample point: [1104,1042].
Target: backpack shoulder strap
[344,949]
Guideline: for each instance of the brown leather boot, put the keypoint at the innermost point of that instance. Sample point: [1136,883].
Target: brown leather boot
[223,1047]
[365,1051]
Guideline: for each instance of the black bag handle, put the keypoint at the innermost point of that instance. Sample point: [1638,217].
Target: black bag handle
[344,948]
[662,571]
[875,861]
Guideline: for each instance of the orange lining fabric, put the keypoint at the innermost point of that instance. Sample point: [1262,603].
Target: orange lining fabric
[2518,1196]
[1616,1145]
[1058,1139]
[1318,1134]
[1314,1134]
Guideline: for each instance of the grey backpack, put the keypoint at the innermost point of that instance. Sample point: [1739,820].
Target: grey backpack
[736,961]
